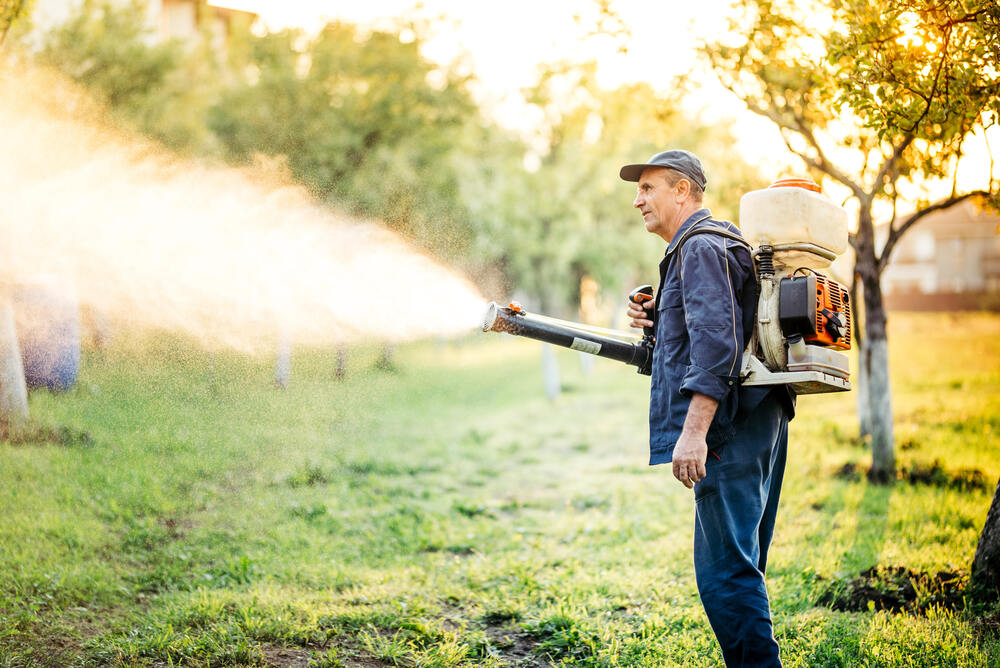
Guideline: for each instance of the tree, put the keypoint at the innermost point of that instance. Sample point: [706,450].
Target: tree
[10,12]
[876,97]
[986,563]
[162,89]
[364,120]
[568,216]
[102,47]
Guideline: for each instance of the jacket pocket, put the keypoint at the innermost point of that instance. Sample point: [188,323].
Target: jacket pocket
[671,328]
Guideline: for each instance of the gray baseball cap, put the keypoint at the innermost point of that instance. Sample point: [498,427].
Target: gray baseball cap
[684,162]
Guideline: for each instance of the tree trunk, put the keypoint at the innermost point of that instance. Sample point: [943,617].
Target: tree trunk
[385,360]
[860,376]
[13,391]
[876,352]
[861,391]
[283,363]
[340,366]
[880,405]
[986,564]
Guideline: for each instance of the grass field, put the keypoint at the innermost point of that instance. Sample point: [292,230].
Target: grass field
[175,508]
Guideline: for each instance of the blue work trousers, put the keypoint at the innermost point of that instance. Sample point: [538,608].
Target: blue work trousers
[735,507]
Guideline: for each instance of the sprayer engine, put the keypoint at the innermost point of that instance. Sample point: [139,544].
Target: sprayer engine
[817,309]
[804,318]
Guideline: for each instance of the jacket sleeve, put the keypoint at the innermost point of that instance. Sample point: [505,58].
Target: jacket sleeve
[713,316]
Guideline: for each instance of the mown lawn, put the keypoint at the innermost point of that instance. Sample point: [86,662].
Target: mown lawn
[175,508]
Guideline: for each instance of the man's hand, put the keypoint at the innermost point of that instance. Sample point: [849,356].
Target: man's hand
[690,454]
[691,450]
[640,314]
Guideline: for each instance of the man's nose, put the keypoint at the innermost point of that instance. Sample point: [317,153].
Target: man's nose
[637,202]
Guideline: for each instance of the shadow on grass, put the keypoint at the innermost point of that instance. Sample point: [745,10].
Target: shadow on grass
[869,539]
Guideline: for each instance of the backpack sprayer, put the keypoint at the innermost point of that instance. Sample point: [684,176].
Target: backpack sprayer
[803,320]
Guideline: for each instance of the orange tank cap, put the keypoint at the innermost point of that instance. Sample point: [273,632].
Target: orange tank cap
[516,307]
[808,184]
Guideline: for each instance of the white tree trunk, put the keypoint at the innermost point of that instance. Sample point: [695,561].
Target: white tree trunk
[880,405]
[13,390]
[283,362]
[861,391]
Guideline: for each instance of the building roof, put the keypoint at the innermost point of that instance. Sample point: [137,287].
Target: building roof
[965,220]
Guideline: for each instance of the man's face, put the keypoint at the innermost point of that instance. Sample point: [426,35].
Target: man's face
[659,202]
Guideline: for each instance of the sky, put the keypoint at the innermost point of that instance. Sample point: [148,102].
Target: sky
[503,43]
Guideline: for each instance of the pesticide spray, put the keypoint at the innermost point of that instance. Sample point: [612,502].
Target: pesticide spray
[238,258]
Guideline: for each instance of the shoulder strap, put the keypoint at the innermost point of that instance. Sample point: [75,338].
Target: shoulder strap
[710,229]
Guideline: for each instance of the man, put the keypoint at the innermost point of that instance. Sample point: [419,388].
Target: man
[726,442]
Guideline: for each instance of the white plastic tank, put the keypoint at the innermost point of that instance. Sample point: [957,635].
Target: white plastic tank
[794,211]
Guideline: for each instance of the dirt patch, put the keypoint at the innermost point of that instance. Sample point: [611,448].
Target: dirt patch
[849,471]
[342,654]
[363,663]
[514,646]
[933,474]
[36,434]
[937,476]
[896,589]
[988,625]
[286,657]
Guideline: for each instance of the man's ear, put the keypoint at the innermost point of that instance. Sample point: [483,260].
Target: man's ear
[683,189]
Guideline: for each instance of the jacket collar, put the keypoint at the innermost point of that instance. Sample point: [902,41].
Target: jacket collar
[687,226]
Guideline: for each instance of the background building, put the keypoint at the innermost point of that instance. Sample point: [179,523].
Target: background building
[167,19]
[949,260]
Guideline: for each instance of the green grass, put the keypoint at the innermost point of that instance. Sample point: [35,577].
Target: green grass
[183,511]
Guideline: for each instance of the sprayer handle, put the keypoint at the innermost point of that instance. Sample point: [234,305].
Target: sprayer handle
[640,296]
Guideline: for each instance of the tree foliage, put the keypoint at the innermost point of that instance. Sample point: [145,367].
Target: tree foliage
[571,216]
[363,119]
[161,89]
[102,46]
[10,12]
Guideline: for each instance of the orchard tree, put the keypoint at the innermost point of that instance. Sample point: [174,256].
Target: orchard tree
[568,214]
[878,97]
[364,119]
[162,89]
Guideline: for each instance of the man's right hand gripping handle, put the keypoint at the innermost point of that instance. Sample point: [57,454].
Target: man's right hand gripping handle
[640,302]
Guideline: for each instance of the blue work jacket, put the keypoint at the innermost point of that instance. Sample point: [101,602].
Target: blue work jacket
[702,328]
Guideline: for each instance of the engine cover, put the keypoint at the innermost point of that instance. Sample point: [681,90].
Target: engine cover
[816,308]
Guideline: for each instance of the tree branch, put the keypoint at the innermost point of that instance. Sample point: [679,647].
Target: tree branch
[968,18]
[937,78]
[896,232]
[818,162]
[890,162]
